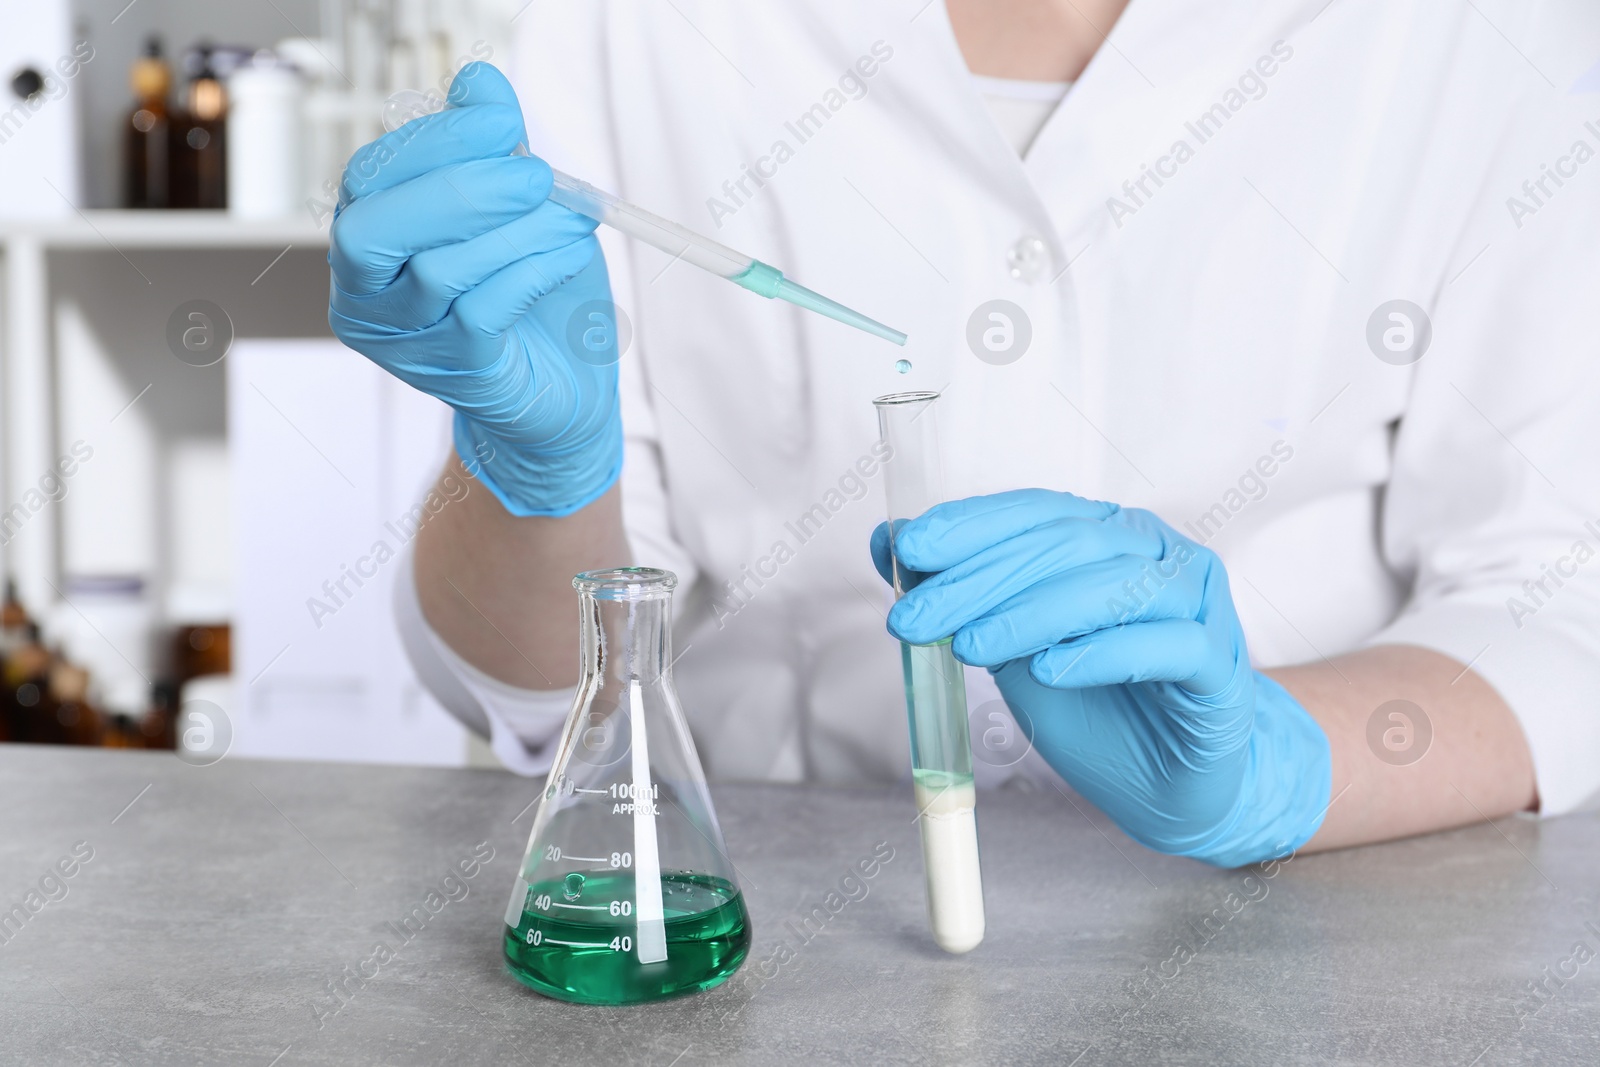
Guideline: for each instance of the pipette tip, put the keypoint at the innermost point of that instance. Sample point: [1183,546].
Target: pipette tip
[803,297]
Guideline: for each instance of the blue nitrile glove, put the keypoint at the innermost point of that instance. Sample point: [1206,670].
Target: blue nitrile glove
[1116,639]
[453,271]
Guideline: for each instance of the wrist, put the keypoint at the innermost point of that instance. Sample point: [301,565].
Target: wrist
[1286,787]
[552,482]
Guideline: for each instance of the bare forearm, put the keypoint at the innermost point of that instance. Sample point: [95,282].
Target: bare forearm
[1454,753]
[498,588]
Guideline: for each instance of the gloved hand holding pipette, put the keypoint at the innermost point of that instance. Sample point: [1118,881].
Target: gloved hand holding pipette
[1116,639]
[678,241]
[453,271]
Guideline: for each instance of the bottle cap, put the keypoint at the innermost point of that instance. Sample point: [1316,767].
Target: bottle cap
[150,75]
[150,78]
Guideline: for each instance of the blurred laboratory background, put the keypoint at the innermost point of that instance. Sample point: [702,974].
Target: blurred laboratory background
[204,498]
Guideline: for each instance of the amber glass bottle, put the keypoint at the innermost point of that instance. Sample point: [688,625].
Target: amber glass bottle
[199,153]
[14,633]
[147,133]
[30,706]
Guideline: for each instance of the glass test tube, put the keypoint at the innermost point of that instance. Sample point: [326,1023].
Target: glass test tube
[936,695]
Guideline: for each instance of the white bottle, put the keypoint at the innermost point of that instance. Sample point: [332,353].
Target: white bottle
[265,131]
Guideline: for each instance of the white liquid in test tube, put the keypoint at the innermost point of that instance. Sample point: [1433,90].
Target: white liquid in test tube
[949,823]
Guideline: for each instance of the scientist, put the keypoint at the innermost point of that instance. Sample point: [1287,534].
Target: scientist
[1265,334]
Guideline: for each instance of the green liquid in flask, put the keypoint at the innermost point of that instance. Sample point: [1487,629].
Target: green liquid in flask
[581,946]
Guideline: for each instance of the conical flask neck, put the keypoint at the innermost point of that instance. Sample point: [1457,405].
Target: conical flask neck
[627,640]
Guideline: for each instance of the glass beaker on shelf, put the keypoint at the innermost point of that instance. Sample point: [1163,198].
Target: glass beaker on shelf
[626,892]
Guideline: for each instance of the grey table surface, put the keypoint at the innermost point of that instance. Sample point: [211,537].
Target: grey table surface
[220,905]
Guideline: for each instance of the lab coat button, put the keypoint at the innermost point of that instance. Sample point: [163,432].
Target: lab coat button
[1028,259]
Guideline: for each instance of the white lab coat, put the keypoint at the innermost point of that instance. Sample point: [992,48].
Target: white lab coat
[1199,343]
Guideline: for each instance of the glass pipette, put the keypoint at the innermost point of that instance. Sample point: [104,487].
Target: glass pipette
[680,242]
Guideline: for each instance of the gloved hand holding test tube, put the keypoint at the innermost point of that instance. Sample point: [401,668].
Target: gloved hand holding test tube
[673,239]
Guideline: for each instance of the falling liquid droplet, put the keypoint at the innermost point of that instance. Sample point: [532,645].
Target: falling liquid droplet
[903,366]
[573,887]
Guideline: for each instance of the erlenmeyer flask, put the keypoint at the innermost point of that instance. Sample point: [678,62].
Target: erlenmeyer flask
[626,892]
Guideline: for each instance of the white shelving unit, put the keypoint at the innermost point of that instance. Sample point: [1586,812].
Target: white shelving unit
[277,467]
[30,389]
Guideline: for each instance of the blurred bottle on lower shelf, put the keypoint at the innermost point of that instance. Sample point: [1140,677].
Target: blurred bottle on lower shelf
[30,711]
[24,673]
[151,728]
[78,719]
[89,681]
[200,649]
[13,635]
